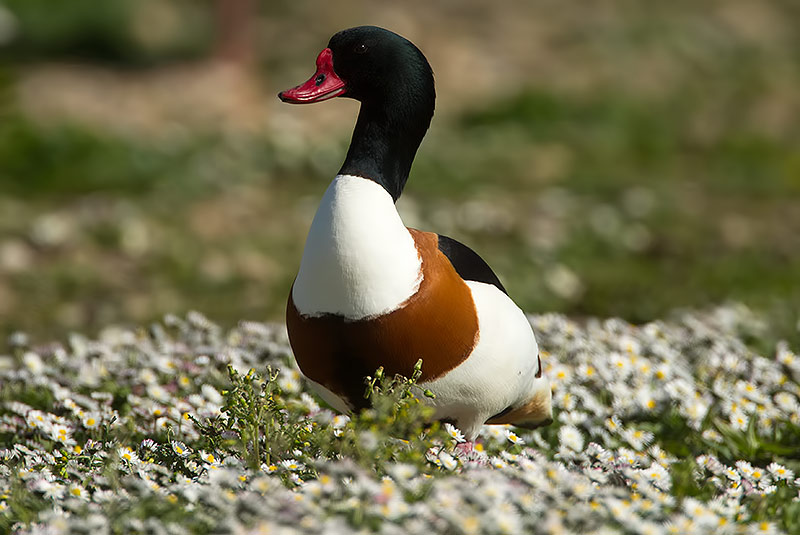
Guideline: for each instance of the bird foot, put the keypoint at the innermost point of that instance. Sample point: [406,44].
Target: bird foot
[464,449]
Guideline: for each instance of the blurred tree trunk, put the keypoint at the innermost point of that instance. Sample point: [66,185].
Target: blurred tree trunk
[235,21]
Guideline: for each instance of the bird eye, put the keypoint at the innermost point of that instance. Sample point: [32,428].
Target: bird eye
[360,48]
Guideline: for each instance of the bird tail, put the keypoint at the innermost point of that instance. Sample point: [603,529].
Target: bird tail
[537,411]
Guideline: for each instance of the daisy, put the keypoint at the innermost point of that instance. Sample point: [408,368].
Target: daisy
[289,380]
[469,525]
[51,490]
[127,454]
[292,465]
[786,401]
[646,399]
[494,432]
[570,437]
[587,372]
[732,474]
[663,458]
[158,393]
[147,376]
[739,420]
[613,423]
[663,372]
[91,420]
[621,364]
[763,528]
[658,476]
[745,468]
[497,462]
[402,471]
[565,400]
[34,363]
[454,432]
[560,374]
[637,438]
[513,438]
[78,492]
[627,457]
[181,449]
[779,471]
[758,474]
[61,433]
[37,419]
[712,435]
[448,461]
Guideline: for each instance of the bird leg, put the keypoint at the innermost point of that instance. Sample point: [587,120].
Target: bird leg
[464,449]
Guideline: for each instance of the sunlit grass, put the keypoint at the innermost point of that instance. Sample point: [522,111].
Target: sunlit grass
[569,198]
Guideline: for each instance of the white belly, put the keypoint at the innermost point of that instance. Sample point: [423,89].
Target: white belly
[500,371]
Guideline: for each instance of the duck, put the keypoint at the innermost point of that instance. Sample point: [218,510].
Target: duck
[371,292]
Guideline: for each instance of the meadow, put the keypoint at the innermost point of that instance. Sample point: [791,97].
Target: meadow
[630,170]
[620,161]
[668,427]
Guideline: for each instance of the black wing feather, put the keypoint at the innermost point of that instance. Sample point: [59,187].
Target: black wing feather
[467,263]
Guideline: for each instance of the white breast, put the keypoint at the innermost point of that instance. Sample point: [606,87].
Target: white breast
[359,259]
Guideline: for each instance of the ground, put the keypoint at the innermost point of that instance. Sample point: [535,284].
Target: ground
[674,426]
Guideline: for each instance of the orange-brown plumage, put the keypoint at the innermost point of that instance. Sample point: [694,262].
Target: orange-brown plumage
[437,324]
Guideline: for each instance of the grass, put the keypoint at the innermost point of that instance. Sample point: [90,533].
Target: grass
[644,223]
[647,162]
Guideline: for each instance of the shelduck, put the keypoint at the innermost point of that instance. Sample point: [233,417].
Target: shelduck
[371,292]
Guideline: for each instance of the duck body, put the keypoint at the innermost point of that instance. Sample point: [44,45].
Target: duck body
[371,292]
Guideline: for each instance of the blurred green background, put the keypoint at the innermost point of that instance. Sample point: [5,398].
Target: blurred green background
[607,158]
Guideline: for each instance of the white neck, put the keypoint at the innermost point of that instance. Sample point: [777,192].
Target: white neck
[359,259]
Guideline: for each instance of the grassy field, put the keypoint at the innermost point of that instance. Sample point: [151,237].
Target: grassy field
[616,159]
[624,166]
[671,427]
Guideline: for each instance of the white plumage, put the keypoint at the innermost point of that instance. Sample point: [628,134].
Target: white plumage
[359,259]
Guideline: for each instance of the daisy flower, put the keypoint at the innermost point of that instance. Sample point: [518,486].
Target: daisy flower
[448,461]
[613,423]
[127,454]
[78,492]
[513,438]
[292,465]
[779,471]
[570,437]
[637,438]
[181,449]
[739,420]
[454,432]
[91,420]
